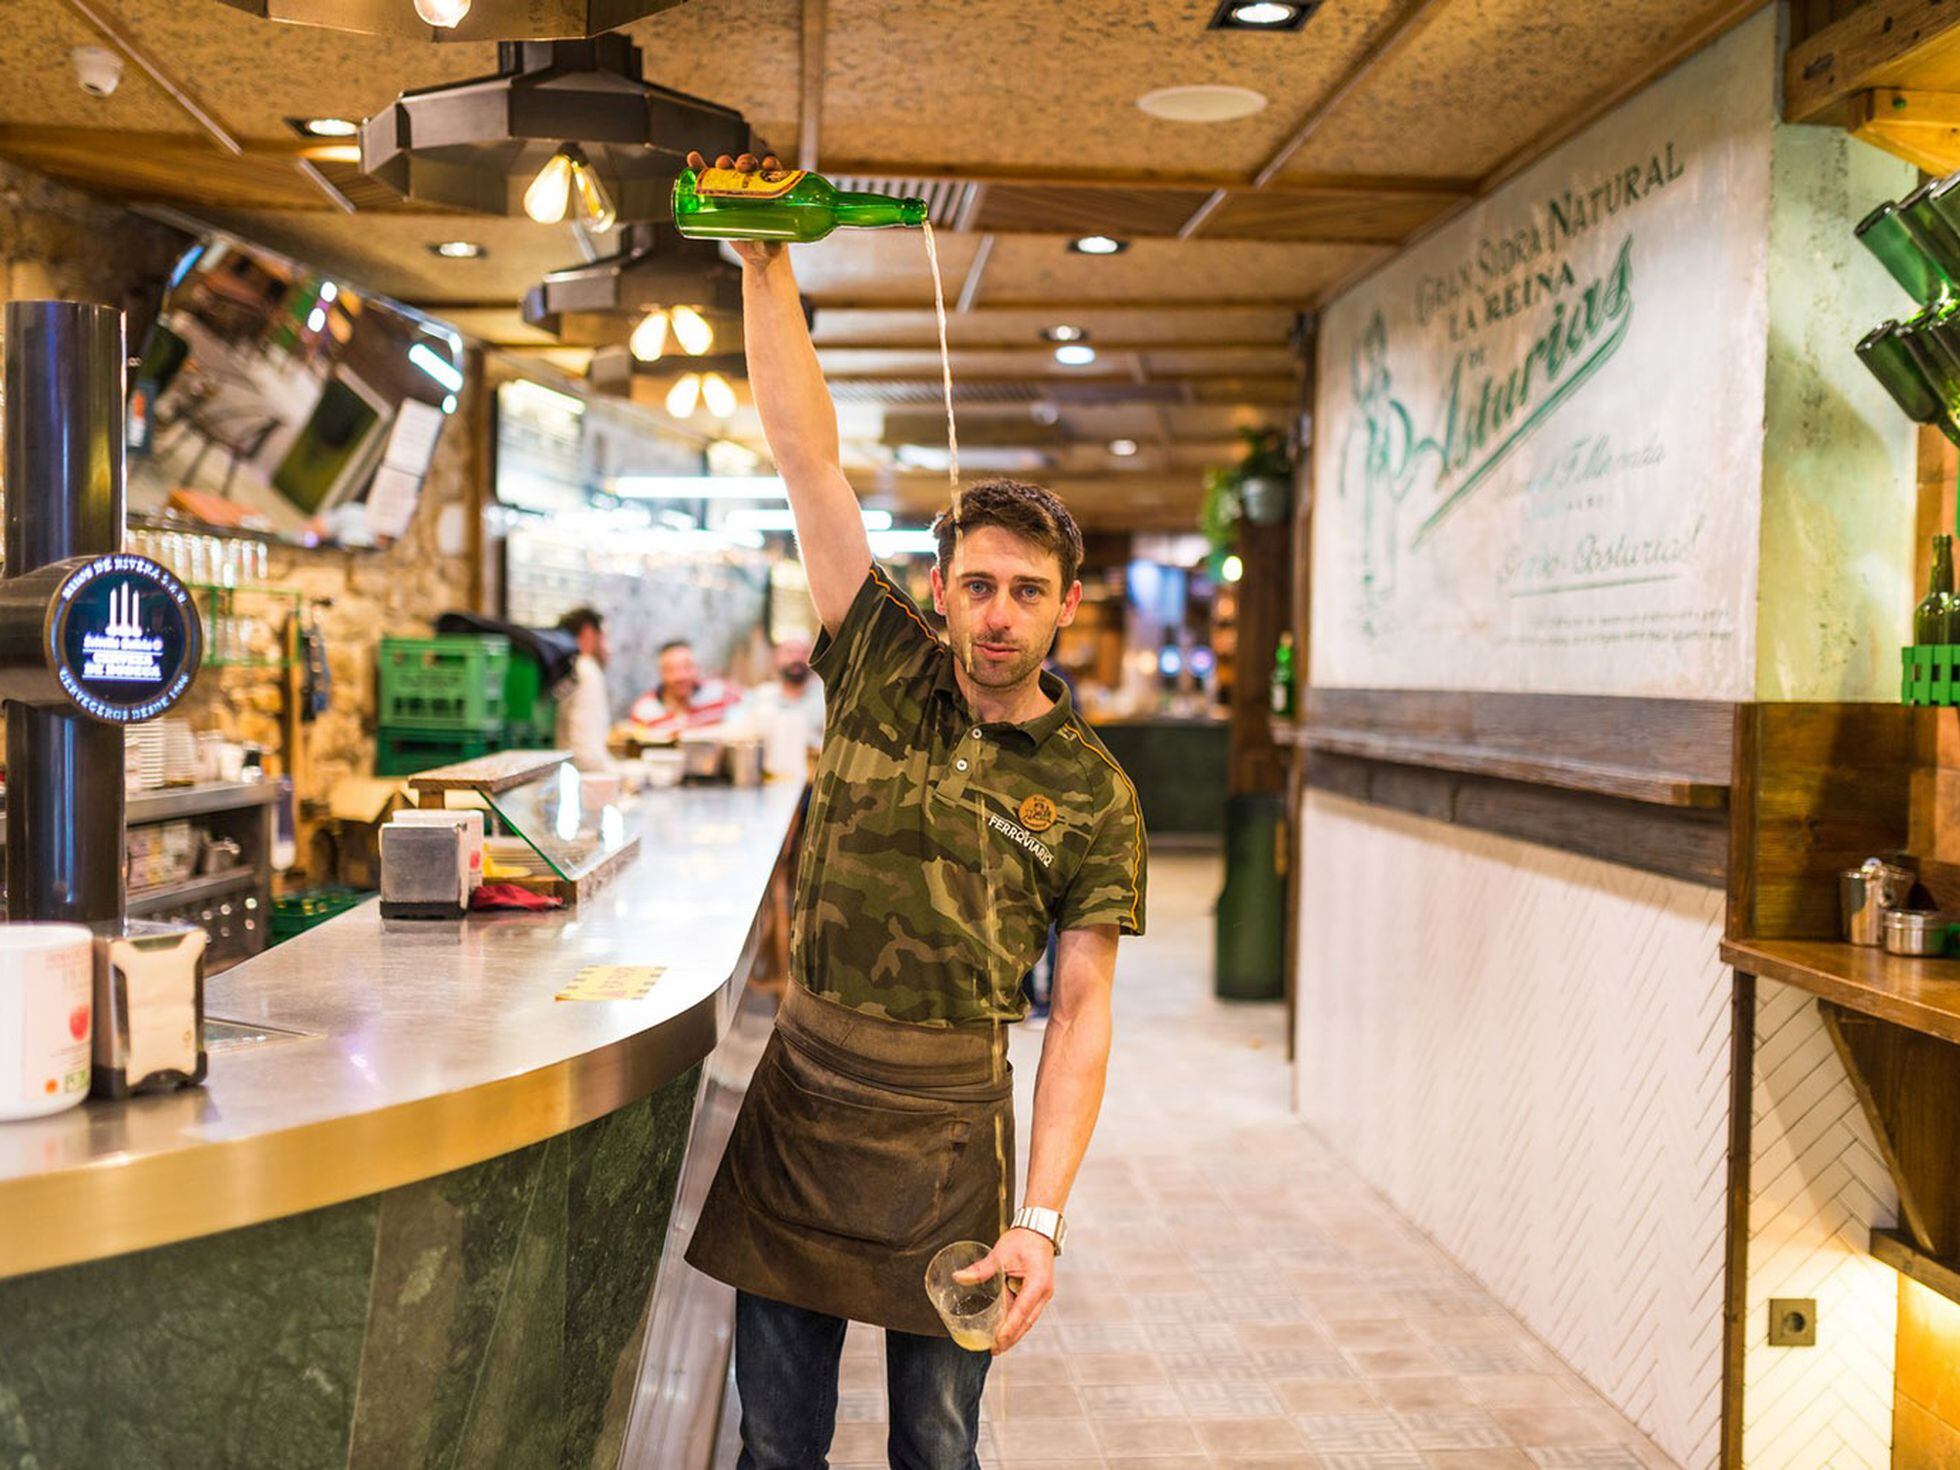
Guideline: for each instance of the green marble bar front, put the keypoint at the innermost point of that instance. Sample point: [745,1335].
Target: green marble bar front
[492,1316]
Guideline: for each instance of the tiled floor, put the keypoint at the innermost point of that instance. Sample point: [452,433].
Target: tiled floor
[1233,1296]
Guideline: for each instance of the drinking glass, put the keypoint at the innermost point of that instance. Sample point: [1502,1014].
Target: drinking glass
[971,1310]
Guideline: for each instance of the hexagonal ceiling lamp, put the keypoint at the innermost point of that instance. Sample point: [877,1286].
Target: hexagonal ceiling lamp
[462,20]
[564,129]
[657,269]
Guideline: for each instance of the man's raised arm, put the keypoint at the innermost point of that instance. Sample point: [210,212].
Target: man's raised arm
[799,421]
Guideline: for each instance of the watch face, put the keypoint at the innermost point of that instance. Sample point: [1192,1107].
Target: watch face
[124,638]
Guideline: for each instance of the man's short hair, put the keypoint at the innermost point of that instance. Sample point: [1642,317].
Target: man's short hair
[1028,511]
[579,619]
[672,643]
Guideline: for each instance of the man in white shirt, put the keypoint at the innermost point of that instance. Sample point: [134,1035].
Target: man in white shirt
[787,712]
[585,711]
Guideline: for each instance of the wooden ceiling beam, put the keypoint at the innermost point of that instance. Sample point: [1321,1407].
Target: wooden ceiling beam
[1886,43]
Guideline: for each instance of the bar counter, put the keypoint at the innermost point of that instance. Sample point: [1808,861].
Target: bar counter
[432,1221]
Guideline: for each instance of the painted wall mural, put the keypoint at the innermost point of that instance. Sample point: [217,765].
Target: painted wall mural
[1538,456]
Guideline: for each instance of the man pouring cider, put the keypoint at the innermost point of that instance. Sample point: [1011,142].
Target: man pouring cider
[959,808]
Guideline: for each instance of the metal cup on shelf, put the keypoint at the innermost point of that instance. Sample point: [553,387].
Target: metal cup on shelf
[1867,893]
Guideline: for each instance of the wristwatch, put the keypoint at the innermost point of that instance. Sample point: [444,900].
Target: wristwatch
[1042,1222]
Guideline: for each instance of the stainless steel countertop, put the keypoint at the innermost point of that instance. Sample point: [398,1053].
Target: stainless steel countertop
[439,1045]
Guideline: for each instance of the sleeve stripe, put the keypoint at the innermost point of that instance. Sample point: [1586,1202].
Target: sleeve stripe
[1136,805]
[904,604]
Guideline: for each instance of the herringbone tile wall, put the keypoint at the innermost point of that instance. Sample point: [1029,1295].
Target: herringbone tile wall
[1817,1186]
[1528,1053]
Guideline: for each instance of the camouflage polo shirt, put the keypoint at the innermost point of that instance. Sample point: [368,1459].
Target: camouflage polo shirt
[938,848]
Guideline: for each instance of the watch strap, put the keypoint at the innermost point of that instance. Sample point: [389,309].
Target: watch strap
[1043,1222]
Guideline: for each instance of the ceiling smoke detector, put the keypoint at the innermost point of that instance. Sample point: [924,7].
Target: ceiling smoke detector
[1202,104]
[1262,15]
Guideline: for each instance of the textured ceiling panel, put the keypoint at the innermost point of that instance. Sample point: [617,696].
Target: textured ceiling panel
[1120,323]
[1486,78]
[1026,82]
[1378,218]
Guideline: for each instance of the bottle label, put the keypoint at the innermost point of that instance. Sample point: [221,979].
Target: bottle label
[729,183]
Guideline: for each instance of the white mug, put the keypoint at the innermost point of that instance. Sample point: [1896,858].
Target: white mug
[47,997]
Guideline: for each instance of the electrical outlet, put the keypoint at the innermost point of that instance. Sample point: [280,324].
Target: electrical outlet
[1793,1321]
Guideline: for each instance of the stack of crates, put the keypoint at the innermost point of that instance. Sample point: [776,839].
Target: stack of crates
[440,700]
[529,715]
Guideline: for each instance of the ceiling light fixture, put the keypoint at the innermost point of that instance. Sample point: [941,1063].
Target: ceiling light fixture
[692,331]
[323,127]
[649,339]
[717,395]
[1098,245]
[683,396]
[490,143]
[1075,354]
[457,249]
[1262,15]
[1062,332]
[1122,448]
[1201,104]
[444,15]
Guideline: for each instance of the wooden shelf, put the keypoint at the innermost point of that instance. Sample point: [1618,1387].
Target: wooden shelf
[1899,1252]
[1661,788]
[1888,72]
[1919,994]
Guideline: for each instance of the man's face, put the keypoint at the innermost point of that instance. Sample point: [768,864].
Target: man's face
[793,662]
[1003,601]
[592,643]
[679,678]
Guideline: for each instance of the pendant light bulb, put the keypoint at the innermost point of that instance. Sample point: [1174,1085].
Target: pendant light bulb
[442,14]
[692,331]
[718,396]
[682,397]
[595,205]
[550,193]
[649,338]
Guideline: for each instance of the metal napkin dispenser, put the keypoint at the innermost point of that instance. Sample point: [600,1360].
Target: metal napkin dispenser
[149,1008]
[425,871]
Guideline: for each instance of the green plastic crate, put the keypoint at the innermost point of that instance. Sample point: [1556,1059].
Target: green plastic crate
[298,912]
[1930,673]
[456,682]
[404,752]
[529,714]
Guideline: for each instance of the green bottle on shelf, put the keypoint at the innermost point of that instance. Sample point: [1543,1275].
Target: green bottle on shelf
[1885,233]
[792,205]
[1932,619]
[1283,677]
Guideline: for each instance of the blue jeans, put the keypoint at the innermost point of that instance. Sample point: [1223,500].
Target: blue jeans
[786,1374]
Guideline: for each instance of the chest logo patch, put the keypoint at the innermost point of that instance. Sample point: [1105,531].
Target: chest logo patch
[1038,813]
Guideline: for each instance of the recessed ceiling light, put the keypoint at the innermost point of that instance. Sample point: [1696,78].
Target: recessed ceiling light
[1098,245]
[1122,448]
[1202,104]
[1075,354]
[457,249]
[323,127]
[1263,15]
[1063,332]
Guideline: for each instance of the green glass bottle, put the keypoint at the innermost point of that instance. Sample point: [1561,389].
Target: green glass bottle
[1930,345]
[793,205]
[1931,230]
[1283,678]
[1931,620]
[1889,360]
[1886,235]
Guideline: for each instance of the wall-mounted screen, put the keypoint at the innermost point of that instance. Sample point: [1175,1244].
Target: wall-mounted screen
[267,396]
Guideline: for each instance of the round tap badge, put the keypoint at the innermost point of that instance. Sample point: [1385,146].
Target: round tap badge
[124,638]
[1037,814]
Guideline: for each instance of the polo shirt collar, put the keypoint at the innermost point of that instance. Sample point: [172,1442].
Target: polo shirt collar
[946,682]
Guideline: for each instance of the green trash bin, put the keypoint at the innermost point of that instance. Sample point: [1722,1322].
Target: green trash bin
[1251,921]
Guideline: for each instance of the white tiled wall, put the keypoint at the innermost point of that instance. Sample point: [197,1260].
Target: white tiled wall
[1817,1187]
[1528,1053]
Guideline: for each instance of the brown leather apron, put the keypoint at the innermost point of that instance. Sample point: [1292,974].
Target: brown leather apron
[862,1147]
